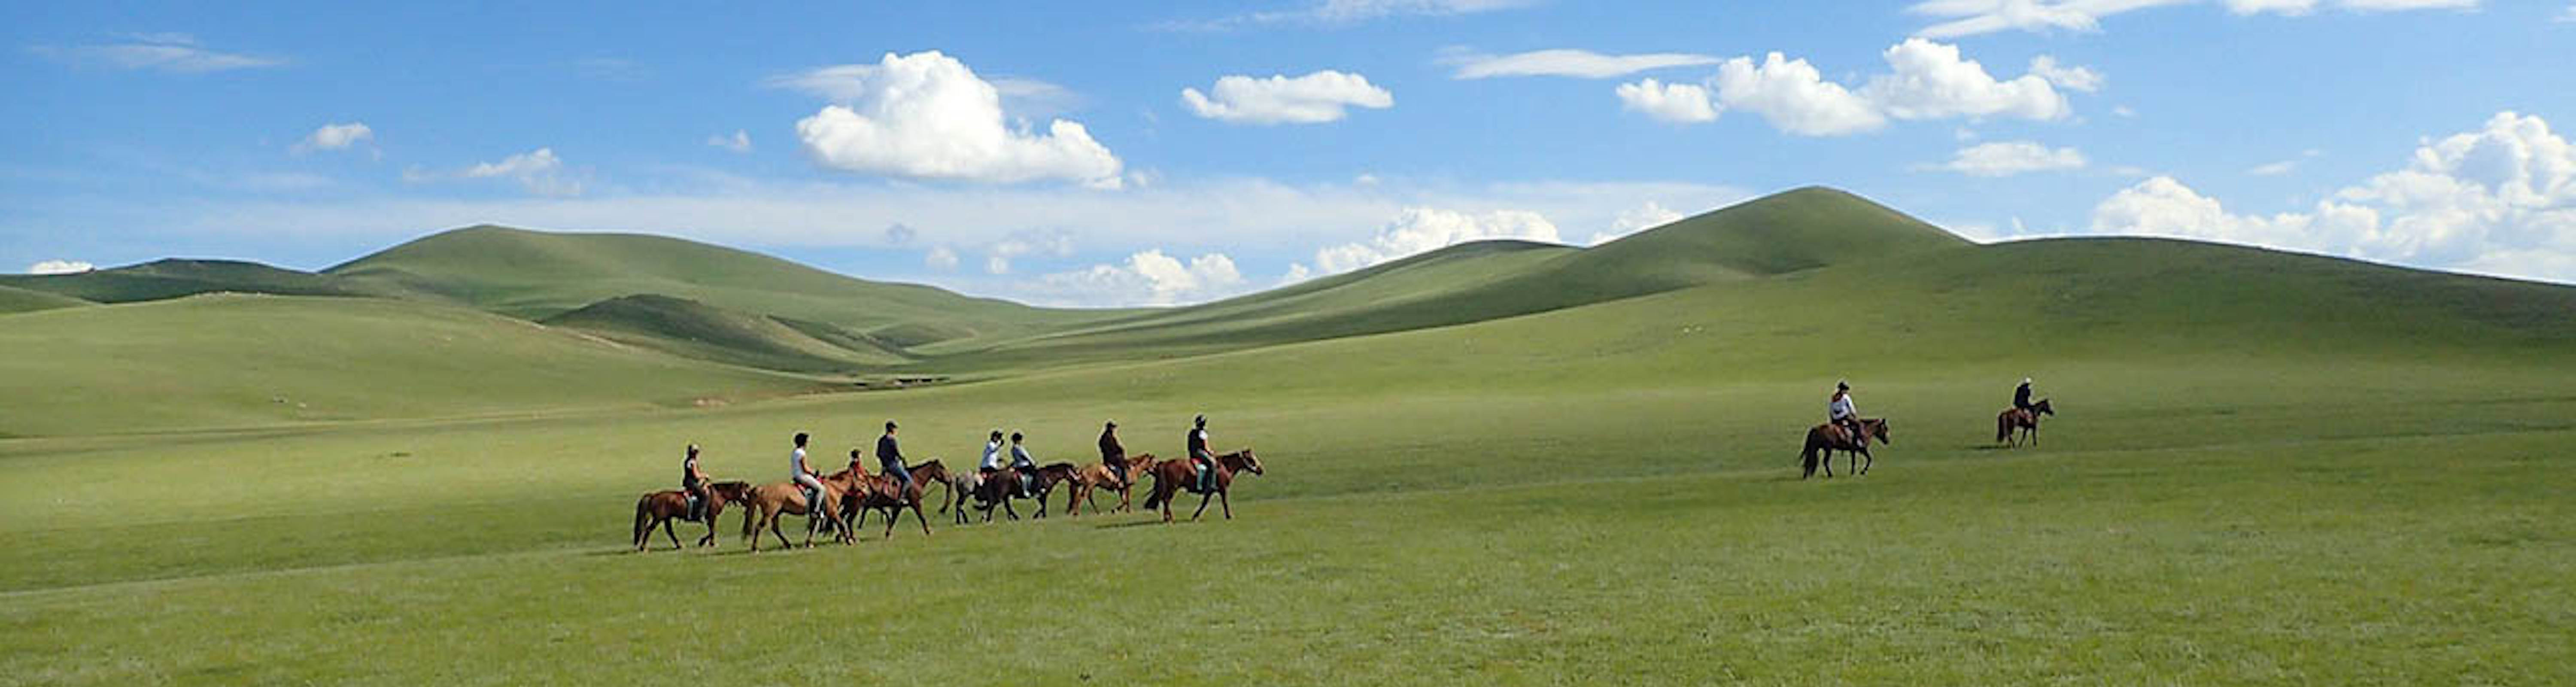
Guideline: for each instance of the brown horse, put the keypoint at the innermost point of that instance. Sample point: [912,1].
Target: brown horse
[1830,437]
[1098,476]
[658,509]
[1173,476]
[997,490]
[2025,420]
[882,492]
[772,501]
[1050,475]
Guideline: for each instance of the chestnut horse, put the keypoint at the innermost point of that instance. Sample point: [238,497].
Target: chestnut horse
[2025,420]
[1173,476]
[658,509]
[1098,476]
[881,492]
[1830,437]
[771,502]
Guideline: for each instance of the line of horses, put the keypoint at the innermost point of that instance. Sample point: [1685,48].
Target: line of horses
[849,495]
[2012,427]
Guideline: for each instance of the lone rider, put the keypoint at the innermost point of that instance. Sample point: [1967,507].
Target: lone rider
[1841,413]
[1024,464]
[890,460]
[806,477]
[2021,396]
[1200,457]
[1113,454]
[694,483]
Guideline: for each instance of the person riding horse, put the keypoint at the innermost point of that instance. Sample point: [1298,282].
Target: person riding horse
[803,476]
[1841,413]
[694,483]
[2021,396]
[1026,465]
[1113,454]
[1200,457]
[890,459]
[992,463]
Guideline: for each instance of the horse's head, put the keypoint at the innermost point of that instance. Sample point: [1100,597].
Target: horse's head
[1878,429]
[929,469]
[2042,407]
[731,492]
[1250,462]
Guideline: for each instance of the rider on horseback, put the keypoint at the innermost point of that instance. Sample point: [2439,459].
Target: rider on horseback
[992,462]
[1841,413]
[1113,454]
[1200,458]
[890,459]
[1024,464]
[2021,396]
[805,477]
[694,483]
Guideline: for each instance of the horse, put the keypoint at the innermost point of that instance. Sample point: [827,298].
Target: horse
[771,501]
[658,509]
[1098,475]
[1830,437]
[997,490]
[882,492]
[960,485]
[2025,420]
[1050,475]
[1173,476]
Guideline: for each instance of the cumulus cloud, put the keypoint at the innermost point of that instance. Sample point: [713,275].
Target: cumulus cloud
[2498,200]
[1678,102]
[927,116]
[1581,64]
[1323,96]
[1926,80]
[1148,278]
[538,171]
[1419,229]
[940,258]
[1959,18]
[335,137]
[60,267]
[997,259]
[1634,220]
[2007,158]
[176,53]
[739,142]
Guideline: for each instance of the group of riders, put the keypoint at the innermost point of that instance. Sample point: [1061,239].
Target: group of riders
[1022,468]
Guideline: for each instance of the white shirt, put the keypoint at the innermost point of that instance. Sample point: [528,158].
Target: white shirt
[798,466]
[992,456]
[1841,408]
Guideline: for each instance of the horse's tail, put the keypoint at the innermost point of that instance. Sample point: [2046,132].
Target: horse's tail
[643,508]
[2003,426]
[750,508]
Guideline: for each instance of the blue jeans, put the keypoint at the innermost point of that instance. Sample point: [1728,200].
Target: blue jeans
[895,469]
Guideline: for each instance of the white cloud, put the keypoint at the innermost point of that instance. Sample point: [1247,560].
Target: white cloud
[2274,169]
[1960,18]
[1641,218]
[1297,272]
[167,52]
[997,259]
[60,267]
[739,142]
[2007,158]
[940,258]
[335,137]
[538,171]
[1419,229]
[2124,111]
[1323,96]
[2500,200]
[1147,278]
[1582,64]
[1678,103]
[1794,97]
[2569,15]
[926,116]
[1932,81]
[2069,78]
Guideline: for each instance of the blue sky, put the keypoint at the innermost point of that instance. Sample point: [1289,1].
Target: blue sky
[1136,153]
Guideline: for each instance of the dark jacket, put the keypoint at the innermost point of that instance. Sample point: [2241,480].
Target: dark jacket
[1110,451]
[887,452]
[2021,397]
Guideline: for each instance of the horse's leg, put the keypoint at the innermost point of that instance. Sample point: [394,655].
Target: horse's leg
[1228,503]
[916,516]
[666,532]
[1006,506]
[1203,502]
[1829,463]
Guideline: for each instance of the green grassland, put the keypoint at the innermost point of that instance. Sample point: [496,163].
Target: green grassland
[13,299]
[2268,469]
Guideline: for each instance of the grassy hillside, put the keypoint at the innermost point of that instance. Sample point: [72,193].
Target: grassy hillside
[241,361]
[13,299]
[697,330]
[1779,234]
[536,275]
[173,278]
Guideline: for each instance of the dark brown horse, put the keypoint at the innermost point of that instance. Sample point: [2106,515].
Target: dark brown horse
[2025,420]
[1097,476]
[1173,476]
[1050,475]
[999,487]
[658,509]
[1830,437]
[884,493]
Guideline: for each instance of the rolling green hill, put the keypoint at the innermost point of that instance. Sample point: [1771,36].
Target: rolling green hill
[243,361]
[697,330]
[14,299]
[172,278]
[1782,233]
[536,275]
